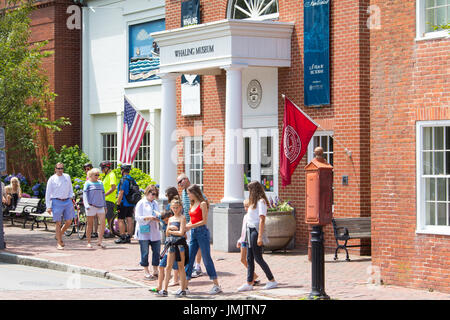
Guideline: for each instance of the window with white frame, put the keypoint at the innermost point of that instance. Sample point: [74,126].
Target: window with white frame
[432,13]
[253,9]
[142,160]
[109,148]
[193,160]
[322,139]
[433,176]
[261,159]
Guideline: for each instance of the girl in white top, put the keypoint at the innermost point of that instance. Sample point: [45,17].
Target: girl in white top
[242,244]
[256,217]
[147,230]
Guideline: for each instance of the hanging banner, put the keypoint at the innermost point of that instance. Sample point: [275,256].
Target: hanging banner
[190,13]
[190,95]
[316,46]
[190,84]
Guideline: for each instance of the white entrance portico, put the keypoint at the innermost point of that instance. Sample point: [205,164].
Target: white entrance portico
[208,49]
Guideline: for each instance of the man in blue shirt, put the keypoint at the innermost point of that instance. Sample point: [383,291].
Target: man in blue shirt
[125,209]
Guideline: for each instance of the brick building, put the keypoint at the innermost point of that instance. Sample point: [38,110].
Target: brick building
[63,68]
[388,111]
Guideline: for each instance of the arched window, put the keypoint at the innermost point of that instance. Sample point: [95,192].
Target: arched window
[253,9]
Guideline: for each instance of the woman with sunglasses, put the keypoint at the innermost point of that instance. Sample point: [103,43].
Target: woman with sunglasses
[95,204]
[147,230]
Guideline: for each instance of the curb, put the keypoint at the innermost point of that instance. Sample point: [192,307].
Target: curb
[58,266]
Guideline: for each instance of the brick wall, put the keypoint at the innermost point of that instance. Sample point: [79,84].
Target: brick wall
[409,82]
[48,22]
[348,115]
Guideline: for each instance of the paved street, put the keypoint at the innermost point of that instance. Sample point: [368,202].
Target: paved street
[16,277]
[292,270]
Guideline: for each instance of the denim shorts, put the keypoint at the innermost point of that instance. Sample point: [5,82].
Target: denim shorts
[163,263]
[62,209]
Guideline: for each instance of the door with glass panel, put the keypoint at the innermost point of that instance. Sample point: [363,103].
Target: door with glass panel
[261,159]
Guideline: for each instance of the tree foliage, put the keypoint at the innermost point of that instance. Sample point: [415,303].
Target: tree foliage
[24,90]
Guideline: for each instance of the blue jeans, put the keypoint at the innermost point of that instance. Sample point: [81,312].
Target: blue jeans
[156,247]
[200,240]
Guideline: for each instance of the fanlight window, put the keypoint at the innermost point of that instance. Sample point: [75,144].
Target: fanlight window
[253,9]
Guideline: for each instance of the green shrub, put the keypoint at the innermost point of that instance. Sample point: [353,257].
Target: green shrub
[72,158]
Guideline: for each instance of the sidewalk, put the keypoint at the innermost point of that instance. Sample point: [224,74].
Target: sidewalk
[292,270]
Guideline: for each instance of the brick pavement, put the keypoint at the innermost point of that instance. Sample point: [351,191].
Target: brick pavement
[292,270]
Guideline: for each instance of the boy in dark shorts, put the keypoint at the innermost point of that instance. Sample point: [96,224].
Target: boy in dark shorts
[125,209]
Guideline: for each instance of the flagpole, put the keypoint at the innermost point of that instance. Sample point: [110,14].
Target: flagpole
[348,152]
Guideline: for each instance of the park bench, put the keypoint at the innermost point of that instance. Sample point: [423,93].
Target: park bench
[24,208]
[346,229]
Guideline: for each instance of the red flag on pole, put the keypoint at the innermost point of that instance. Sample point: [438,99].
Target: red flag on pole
[298,129]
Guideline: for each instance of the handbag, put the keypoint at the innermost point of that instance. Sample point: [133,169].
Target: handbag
[144,228]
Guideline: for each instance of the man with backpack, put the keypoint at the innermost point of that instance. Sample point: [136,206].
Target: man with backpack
[128,196]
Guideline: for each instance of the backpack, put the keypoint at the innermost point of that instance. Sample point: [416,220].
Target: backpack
[134,195]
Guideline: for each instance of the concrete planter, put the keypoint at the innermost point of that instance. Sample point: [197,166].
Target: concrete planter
[280,228]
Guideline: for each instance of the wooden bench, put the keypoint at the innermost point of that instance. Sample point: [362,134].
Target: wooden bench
[25,207]
[350,228]
[37,217]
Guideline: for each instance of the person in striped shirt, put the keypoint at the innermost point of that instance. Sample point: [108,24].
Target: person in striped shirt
[183,182]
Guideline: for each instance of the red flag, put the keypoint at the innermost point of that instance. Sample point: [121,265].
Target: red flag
[298,129]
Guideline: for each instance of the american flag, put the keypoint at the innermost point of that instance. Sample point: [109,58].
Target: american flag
[134,127]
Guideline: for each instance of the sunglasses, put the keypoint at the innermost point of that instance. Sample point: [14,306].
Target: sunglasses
[180,181]
[59,168]
[153,193]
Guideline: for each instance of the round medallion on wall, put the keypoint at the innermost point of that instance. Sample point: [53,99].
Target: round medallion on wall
[254,94]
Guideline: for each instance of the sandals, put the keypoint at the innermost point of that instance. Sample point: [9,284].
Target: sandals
[59,247]
[101,245]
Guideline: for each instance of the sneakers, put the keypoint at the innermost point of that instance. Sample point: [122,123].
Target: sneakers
[197,273]
[180,293]
[162,293]
[270,285]
[245,287]
[123,239]
[215,290]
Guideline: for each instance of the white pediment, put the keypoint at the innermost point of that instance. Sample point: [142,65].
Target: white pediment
[205,48]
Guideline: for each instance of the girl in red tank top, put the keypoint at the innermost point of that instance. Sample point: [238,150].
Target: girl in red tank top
[200,236]
[196,215]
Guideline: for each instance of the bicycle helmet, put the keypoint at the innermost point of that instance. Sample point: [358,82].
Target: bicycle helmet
[105,164]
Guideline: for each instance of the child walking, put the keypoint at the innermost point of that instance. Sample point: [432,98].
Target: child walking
[178,250]
[256,218]
[242,244]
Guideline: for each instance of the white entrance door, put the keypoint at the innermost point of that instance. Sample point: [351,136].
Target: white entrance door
[261,159]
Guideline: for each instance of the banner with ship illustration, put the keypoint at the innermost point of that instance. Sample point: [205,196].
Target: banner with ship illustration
[144,51]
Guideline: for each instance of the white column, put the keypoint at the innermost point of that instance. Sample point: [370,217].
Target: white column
[168,159]
[233,170]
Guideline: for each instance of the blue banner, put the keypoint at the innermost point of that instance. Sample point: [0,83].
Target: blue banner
[316,47]
[190,12]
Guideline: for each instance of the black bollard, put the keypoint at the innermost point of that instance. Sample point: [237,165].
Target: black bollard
[318,265]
